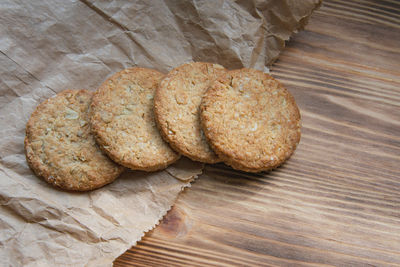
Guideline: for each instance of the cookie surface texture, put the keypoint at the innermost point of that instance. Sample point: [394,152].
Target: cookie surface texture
[177,109]
[251,121]
[122,120]
[60,148]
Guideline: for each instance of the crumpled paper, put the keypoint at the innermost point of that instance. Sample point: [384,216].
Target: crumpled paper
[49,46]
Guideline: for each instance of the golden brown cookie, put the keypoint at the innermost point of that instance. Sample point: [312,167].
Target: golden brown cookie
[123,124]
[177,109]
[251,121]
[60,148]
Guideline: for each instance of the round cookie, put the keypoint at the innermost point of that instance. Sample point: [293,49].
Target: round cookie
[60,148]
[177,109]
[122,120]
[250,120]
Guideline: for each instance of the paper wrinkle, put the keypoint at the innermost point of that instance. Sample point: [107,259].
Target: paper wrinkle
[48,47]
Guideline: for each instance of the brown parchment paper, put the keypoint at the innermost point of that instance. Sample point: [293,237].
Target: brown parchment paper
[49,46]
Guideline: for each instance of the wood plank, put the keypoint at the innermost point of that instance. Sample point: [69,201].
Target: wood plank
[337,200]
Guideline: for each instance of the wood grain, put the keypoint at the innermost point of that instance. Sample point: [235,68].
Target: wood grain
[337,200]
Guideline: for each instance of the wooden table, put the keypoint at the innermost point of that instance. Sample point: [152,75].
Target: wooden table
[337,200]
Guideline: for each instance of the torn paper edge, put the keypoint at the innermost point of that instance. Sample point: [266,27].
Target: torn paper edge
[157,222]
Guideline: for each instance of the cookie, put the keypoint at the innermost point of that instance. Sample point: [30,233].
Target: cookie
[177,109]
[122,120]
[250,120]
[60,148]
